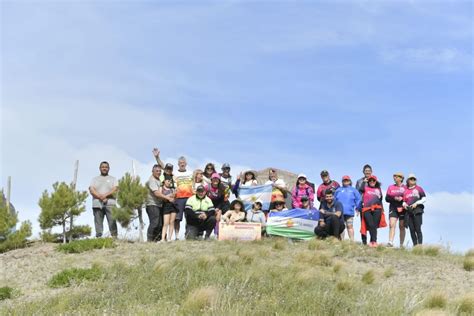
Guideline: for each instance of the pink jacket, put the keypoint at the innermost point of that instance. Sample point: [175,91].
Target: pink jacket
[299,191]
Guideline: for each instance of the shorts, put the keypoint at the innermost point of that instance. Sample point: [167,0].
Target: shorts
[349,219]
[180,205]
[395,214]
[169,208]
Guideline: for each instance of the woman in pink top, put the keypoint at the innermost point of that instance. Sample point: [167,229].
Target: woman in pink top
[396,212]
[413,199]
[301,189]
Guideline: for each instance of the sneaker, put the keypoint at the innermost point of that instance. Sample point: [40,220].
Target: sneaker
[390,244]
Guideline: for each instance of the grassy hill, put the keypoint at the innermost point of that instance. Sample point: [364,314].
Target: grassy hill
[271,277]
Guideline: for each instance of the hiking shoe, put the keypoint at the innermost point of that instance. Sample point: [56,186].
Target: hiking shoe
[390,244]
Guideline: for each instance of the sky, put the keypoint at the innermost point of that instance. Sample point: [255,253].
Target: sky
[302,86]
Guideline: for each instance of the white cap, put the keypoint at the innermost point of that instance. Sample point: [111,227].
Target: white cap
[302,175]
[411,175]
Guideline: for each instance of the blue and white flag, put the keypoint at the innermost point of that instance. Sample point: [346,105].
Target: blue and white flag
[296,223]
[250,194]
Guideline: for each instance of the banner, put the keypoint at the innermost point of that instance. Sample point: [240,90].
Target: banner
[249,195]
[296,223]
[240,231]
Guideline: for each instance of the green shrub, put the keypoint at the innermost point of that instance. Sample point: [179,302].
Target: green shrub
[368,277]
[344,286]
[67,277]
[468,263]
[389,272]
[17,239]
[466,305]
[6,292]
[421,250]
[78,246]
[436,300]
[279,244]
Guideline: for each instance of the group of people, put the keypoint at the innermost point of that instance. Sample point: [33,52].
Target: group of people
[203,199]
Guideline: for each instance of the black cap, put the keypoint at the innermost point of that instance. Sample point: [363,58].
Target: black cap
[168,166]
[201,188]
[324,173]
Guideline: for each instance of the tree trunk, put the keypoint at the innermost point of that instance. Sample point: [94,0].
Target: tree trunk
[64,230]
[140,225]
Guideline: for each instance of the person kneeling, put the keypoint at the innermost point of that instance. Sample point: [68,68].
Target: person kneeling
[200,215]
[331,222]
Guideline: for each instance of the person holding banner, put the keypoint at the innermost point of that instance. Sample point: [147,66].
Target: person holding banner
[331,221]
[255,215]
[279,191]
[200,215]
[249,178]
[301,189]
[235,214]
[372,214]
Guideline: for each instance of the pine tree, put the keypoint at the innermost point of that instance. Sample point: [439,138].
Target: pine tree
[58,207]
[130,198]
[9,238]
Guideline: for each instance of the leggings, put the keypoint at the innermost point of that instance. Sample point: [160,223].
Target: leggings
[372,220]
[414,223]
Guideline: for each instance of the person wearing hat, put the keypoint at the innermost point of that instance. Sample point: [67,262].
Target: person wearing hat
[413,199]
[371,208]
[331,221]
[236,213]
[279,206]
[226,178]
[256,215]
[302,188]
[200,215]
[396,212]
[249,178]
[350,199]
[219,195]
[327,184]
[168,171]
[169,210]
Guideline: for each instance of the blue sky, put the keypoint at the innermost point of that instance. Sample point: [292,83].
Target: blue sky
[301,86]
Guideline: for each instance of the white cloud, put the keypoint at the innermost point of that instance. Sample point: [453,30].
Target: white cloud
[441,59]
[448,203]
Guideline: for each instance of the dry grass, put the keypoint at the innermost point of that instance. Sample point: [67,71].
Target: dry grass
[368,277]
[436,300]
[200,300]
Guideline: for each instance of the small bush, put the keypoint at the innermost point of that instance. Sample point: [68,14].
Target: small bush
[466,305]
[344,286]
[420,250]
[337,267]
[279,244]
[316,244]
[436,300]
[468,263]
[67,277]
[389,272]
[470,253]
[6,292]
[78,246]
[368,277]
[17,239]
[200,299]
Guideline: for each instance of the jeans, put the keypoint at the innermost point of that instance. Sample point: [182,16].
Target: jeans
[99,214]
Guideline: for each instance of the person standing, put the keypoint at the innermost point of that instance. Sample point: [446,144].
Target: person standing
[279,190]
[360,185]
[302,189]
[396,212]
[183,179]
[103,190]
[154,203]
[327,184]
[350,200]
[413,199]
[372,210]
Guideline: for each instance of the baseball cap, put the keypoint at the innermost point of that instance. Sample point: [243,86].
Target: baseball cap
[373,177]
[346,178]
[411,175]
[324,173]
[168,166]
[225,165]
[215,175]
[399,174]
[201,188]
[302,175]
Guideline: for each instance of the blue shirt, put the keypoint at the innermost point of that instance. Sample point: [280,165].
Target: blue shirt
[349,197]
